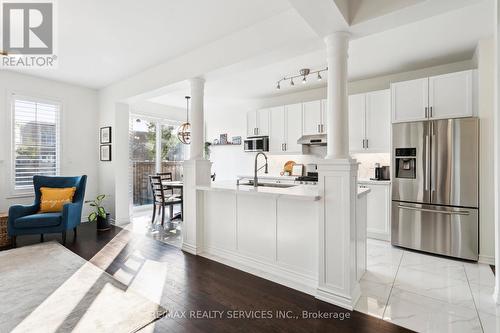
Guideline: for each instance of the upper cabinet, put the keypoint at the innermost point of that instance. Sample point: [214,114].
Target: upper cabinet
[258,122]
[450,95]
[357,110]
[378,121]
[370,122]
[285,129]
[409,100]
[436,97]
[313,118]
[277,130]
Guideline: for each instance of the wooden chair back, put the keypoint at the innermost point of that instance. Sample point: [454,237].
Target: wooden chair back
[157,189]
[165,176]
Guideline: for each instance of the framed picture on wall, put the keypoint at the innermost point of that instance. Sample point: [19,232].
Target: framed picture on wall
[106,134]
[105,153]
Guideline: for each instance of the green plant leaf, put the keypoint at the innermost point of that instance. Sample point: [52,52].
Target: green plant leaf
[92,216]
[93,205]
[101,197]
[101,212]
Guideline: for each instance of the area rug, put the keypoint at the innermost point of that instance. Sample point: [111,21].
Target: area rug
[48,288]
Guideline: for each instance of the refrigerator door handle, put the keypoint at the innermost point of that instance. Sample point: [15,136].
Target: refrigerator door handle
[433,158]
[427,162]
[451,212]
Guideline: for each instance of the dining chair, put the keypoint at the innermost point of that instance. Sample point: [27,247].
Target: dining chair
[162,197]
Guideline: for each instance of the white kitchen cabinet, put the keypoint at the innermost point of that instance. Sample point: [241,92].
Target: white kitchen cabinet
[436,97]
[277,130]
[312,120]
[450,95]
[258,122]
[409,100]
[378,121]
[285,129]
[370,122]
[251,123]
[293,128]
[378,223]
[357,123]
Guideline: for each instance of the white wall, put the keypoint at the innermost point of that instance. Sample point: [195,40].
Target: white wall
[79,130]
[485,60]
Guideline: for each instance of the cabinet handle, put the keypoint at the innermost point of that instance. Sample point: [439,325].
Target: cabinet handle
[366,143]
[319,128]
[282,147]
[431,112]
[426,112]
[257,130]
[363,143]
[322,128]
[285,147]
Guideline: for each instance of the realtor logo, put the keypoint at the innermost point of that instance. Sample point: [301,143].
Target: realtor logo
[28,28]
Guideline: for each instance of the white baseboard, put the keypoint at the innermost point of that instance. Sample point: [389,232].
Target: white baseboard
[489,260]
[189,248]
[268,271]
[342,301]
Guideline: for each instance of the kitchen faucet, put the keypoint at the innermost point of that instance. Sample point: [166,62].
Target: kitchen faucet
[255,180]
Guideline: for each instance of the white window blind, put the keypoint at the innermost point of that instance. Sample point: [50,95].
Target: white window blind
[36,140]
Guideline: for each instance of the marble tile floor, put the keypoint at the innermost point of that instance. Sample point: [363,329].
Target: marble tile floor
[141,224]
[427,293]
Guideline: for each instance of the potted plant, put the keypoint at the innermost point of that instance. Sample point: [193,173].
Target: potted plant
[99,214]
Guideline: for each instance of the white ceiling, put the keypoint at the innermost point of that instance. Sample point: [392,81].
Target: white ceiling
[437,40]
[100,42]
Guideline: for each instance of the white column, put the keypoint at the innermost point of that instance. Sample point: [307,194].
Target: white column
[197,119]
[337,45]
[338,281]
[196,172]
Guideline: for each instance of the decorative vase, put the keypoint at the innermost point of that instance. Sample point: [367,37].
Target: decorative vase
[103,223]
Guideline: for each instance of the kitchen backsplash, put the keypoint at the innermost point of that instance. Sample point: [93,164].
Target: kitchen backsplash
[367,163]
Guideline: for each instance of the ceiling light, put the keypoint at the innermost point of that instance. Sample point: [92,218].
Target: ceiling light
[303,73]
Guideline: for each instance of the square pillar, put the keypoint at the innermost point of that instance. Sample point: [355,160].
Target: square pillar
[337,280]
[196,172]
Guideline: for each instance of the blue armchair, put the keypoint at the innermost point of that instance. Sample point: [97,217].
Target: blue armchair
[24,220]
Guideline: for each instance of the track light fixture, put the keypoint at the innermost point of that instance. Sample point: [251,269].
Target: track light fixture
[303,73]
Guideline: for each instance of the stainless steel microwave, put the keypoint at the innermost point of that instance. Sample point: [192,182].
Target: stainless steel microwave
[259,143]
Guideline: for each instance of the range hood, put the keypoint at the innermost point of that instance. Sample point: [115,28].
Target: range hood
[312,140]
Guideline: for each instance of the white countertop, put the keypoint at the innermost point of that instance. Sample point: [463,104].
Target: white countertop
[375,182]
[303,192]
[270,177]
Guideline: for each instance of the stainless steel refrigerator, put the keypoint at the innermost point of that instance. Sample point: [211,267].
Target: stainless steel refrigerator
[435,186]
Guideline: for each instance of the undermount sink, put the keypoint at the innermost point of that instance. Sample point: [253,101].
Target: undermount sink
[250,183]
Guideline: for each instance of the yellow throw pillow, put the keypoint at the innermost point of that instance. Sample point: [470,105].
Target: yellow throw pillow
[53,199]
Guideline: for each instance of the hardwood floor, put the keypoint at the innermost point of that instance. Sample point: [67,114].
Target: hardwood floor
[182,283]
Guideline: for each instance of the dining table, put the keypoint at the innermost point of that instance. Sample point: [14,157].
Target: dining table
[176,184]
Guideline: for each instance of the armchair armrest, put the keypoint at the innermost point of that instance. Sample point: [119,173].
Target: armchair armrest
[18,211]
[72,214]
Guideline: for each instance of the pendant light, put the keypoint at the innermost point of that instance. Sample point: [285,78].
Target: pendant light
[184,131]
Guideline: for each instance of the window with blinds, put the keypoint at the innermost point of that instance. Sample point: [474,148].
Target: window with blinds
[35,141]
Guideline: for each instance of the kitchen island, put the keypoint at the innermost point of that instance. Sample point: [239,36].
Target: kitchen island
[271,232]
